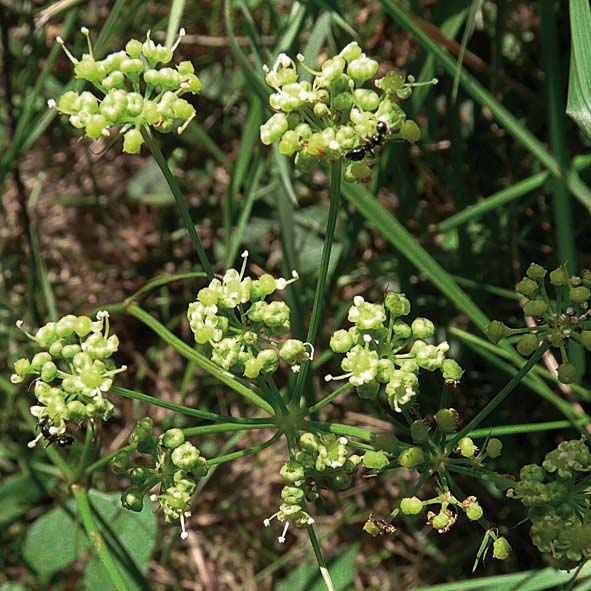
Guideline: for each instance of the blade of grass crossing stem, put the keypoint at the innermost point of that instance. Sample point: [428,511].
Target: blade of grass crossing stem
[295,22]
[475,8]
[504,196]
[189,353]
[562,205]
[316,42]
[579,189]
[404,242]
[579,84]
[450,27]
[180,200]
[254,79]
[174,21]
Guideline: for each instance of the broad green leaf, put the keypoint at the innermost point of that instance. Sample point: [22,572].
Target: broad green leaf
[136,533]
[17,494]
[579,86]
[307,576]
[41,551]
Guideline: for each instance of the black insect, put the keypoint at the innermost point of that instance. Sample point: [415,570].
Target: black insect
[377,139]
[45,424]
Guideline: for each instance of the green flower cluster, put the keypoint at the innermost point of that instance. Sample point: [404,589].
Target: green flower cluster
[169,463]
[558,503]
[323,461]
[72,371]
[138,94]
[235,325]
[374,346]
[558,320]
[324,120]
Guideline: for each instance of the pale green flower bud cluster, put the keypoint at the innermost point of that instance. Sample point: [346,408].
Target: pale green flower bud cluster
[136,93]
[235,325]
[72,371]
[336,116]
[559,320]
[323,461]
[383,352]
[557,498]
[171,466]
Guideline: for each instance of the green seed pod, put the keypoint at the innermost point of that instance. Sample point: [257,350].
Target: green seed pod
[559,277]
[358,172]
[366,99]
[496,331]
[309,442]
[362,68]
[139,475]
[133,48]
[252,368]
[536,272]
[422,328]
[292,471]
[142,430]
[528,287]
[273,129]
[70,351]
[419,432]
[501,549]
[46,335]
[411,505]
[293,351]
[268,360]
[22,366]
[567,373]
[372,528]
[579,295]
[494,448]
[401,330]
[535,307]
[447,420]
[467,447]
[292,495]
[411,457]
[133,499]
[375,460]
[442,521]
[185,456]
[397,304]
[410,131]
[341,341]
[82,326]
[132,141]
[472,508]
[39,360]
[48,371]
[172,438]
[527,344]
[451,370]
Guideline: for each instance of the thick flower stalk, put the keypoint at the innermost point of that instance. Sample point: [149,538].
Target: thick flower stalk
[167,472]
[556,495]
[234,324]
[135,92]
[322,462]
[558,320]
[383,352]
[344,113]
[72,372]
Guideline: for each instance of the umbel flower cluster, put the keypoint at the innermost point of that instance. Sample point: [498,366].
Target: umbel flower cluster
[169,465]
[556,495]
[429,454]
[234,324]
[383,352]
[135,93]
[336,116]
[72,371]
[560,319]
[322,462]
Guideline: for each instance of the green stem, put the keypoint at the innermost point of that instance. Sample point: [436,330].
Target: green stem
[189,353]
[192,412]
[333,212]
[244,452]
[106,459]
[322,403]
[96,539]
[501,396]
[502,430]
[180,200]
[340,429]
[164,280]
[320,559]
[224,428]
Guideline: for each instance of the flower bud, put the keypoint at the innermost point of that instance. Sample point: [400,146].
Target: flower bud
[422,328]
[132,141]
[559,277]
[467,447]
[185,456]
[411,505]
[536,272]
[527,344]
[447,420]
[411,457]
[501,549]
[133,499]
[494,448]
[292,471]
[451,370]
[528,287]
[535,307]
[410,131]
[397,304]
[375,460]
[172,438]
[567,373]
[496,331]
[341,341]
[579,295]
[273,128]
